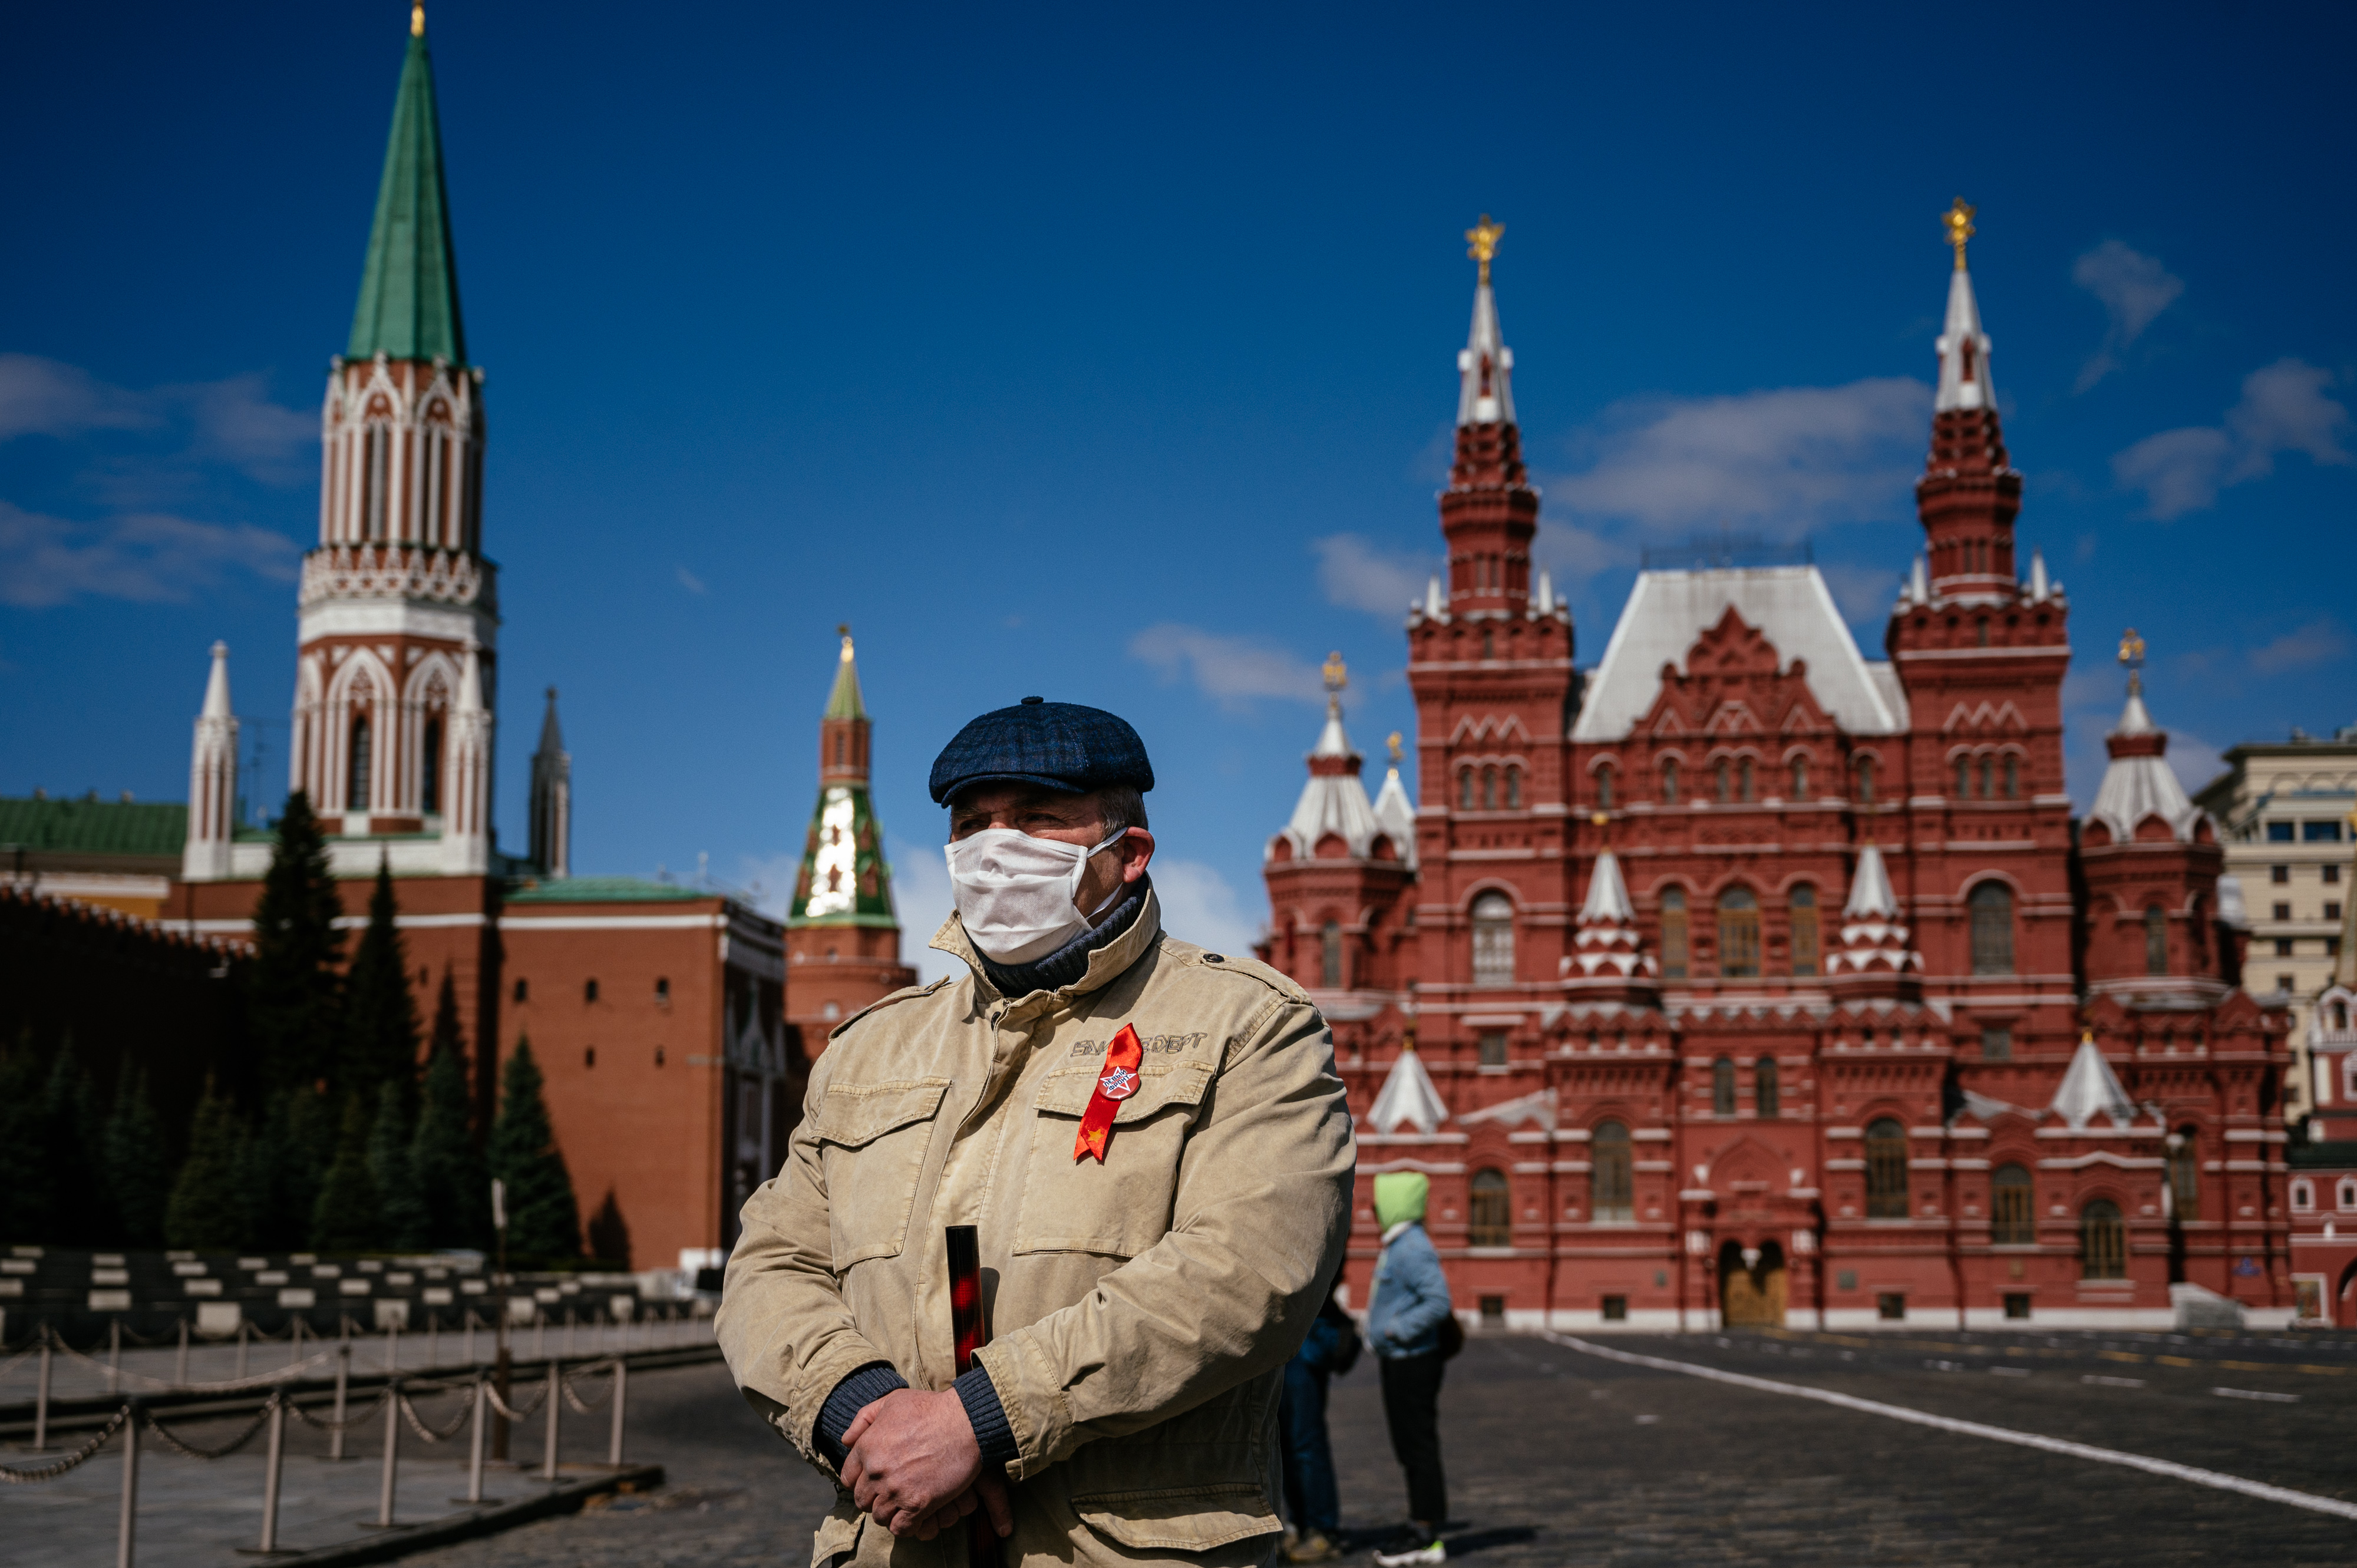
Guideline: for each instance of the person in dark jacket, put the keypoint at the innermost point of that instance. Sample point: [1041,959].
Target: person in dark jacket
[1406,1306]
[1311,1500]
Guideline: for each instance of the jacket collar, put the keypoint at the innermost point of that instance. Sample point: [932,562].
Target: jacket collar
[1105,965]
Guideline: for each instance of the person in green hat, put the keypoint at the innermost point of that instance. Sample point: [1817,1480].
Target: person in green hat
[1407,1307]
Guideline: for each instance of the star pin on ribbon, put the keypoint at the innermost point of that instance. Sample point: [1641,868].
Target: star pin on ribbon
[1116,1084]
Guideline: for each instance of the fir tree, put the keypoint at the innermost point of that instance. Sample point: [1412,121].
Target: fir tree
[137,1172]
[207,1211]
[544,1220]
[296,949]
[347,1218]
[70,1136]
[399,1202]
[283,1164]
[609,1234]
[452,1181]
[380,1037]
[26,1178]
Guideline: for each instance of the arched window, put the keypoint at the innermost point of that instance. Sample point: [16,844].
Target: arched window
[1604,788]
[1804,929]
[1489,788]
[1886,1170]
[2156,939]
[1767,1096]
[1724,789]
[2185,1177]
[1722,1087]
[361,765]
[1738,933]
[2303,1195]
[1669,781]
[1986,763]
[2103,1241]
[1963,777]
[1611,1185]
[2013,778]
[1992,908]
[1743,783]
[1492,1216]
[1513,789]
[2013,1214]
[1465,790]
[1866,779]
[1493,940]
[1330,946]
[1800,779]
[1674,933]
[429,791]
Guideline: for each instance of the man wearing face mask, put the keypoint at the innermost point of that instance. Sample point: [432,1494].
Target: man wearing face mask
[1154,1149]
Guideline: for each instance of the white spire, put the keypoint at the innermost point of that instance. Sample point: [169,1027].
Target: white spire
[1546,594]
[2090,1086]
[2139,782]
[1485,366]
[552,798]
[2037,584]
[1394,812]
[1408,1096]
[1333,802]
[1963,350]
[1608,897]
[1436,603]
[1918,582]
[213,781]
[1871,897]
[217,684]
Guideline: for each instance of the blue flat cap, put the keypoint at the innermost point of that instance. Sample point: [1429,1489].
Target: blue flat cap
[1057,746]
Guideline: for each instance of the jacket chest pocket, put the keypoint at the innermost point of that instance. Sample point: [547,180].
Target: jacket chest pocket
[1122,1206]
[872,1141]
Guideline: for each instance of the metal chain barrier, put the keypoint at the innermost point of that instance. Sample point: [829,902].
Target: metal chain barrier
[226,1385]
[75,1460]
[511,1412]
[32,1349]
[575,1399]
[417,1422]
[226,1449]
[329,1424]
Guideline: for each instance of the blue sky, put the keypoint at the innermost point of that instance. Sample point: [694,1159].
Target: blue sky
[1111,355]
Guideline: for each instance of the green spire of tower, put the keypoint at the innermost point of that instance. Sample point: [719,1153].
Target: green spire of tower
[409,290]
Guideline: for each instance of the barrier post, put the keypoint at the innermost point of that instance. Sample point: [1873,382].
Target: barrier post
[126,1525]
[555,1398]
[622,1393]
[474,1444]
[392,1455]
[41,1399]
[343,1372]
[295,1339]
[273,1466]
[180,1367]
[113,1358]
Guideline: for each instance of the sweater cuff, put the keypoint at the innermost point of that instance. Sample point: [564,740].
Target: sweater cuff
[992,1432]
[858,1390]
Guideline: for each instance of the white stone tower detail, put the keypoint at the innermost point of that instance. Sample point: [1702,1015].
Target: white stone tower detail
[552,798]
[467,791]
[212,780]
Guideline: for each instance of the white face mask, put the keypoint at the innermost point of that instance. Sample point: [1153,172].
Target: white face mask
[1016,895]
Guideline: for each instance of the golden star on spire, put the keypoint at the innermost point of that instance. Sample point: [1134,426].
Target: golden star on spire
[1483,237]
[1959,219]
[417,18]
[843,631]
[2132,655]
[1394,744]
[1337,673]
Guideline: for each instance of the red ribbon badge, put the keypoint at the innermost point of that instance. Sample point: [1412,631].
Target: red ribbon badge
[1116,1084]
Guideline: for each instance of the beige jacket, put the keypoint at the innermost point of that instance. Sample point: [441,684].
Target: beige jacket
[1142,1310]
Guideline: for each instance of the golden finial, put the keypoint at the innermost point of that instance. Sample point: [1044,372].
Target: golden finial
[1959,219]
[1337,673]
[1394,744]
[2132,655]
[1483,237]
[1599,819]
[843,631]
[417,18]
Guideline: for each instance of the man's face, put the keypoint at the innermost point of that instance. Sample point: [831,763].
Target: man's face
[1027,807]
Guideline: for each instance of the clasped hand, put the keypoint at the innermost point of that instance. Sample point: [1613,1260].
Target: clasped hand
[913,1465]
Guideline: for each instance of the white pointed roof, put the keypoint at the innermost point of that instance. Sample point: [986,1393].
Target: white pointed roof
[1870,894]
[1395,814]
[1667,612]
[1485,393]
[1608,897]
[2143,784]
[217,685]
[1408,1096]
[1333,800]
[1964,351]
[2089,1087]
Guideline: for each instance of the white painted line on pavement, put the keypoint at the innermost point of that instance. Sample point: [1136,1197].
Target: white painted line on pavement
[2167,1467]
[2103,1382]
[2256,1394]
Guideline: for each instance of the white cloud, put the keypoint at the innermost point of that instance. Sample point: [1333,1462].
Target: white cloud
[237,423]
[42,397]
[1231,670]
[689,580]
[147,557]
[2297,648]
[2283,409]
[1573,553]
[1357,575]
[1785,460]
[2134,288]
[1199,907]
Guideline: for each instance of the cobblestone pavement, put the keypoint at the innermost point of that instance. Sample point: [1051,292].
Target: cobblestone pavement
[1557,1456]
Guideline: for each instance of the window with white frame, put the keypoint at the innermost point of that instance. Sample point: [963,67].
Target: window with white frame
[2345,1197]
[2303,1196]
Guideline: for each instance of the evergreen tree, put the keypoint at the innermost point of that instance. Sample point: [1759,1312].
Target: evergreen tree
[380,1037]
[297,948]
[400,1203]
[207,1210]
[609,1234]
[544,1220]
[452,1181]
[283,1164]
[137,1169]
[27,1181]
[71,1135]
[347,1218]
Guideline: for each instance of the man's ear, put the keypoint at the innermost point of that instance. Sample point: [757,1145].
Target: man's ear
[1137,852]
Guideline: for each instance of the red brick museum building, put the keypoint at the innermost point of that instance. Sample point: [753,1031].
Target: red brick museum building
[1737,973]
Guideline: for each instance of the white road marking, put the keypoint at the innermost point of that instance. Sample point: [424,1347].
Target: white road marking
[2256,1394]
[2166,1468]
